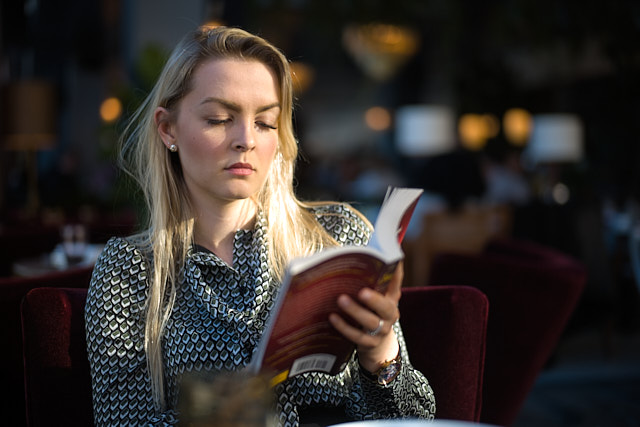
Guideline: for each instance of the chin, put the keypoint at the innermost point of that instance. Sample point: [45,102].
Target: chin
[241,194]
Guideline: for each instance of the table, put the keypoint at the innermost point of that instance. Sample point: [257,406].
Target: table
[55,261]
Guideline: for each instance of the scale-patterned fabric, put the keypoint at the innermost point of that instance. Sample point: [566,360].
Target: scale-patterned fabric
[219,315]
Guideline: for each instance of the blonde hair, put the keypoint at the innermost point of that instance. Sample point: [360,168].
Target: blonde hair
[291,229]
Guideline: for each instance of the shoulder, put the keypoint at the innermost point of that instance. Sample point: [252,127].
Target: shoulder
[343,222]
[120,265]
[123,251]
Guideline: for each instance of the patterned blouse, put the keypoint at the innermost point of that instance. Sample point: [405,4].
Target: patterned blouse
[218,317]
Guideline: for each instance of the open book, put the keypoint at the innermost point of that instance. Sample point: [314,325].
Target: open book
[298,337]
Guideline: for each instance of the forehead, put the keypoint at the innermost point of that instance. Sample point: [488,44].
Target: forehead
[228,74]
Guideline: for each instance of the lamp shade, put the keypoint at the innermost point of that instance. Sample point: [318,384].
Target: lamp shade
[425,130]
[380,49]
[555,138]
[29,110]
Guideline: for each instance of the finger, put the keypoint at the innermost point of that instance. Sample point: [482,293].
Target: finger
[383,306]
[354,334]
[372,350]
[369,320]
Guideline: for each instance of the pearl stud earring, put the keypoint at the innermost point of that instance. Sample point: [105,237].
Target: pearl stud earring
[173,148]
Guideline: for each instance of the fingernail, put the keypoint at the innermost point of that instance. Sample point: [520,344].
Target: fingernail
[343,301]
[366,293]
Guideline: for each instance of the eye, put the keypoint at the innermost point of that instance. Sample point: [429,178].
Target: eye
[266,125]
[214,122]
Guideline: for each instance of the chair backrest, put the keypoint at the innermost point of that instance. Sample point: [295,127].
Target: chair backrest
[532,292]
[445,327]
[12,291]
[56,367]
[464,231]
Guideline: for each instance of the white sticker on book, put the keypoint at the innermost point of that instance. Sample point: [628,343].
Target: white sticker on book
[316,362]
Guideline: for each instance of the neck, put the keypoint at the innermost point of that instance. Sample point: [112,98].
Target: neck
[215,229]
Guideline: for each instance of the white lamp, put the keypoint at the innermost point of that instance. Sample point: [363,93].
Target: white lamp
[425,130]
[555,138]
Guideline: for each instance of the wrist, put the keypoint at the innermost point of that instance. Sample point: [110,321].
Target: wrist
[372,359]
[386,371]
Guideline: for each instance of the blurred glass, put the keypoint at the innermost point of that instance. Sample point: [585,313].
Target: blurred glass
[74,242]
[230,399]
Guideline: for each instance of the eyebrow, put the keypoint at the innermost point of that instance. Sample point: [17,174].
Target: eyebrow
[235,107]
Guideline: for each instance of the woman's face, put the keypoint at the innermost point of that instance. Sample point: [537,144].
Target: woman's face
[225,130]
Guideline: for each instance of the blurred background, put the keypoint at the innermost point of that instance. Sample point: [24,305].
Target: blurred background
[526,107]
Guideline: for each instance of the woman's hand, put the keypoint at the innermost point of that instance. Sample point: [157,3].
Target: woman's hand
[375,313]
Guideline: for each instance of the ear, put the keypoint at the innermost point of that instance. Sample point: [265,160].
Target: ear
[162,118]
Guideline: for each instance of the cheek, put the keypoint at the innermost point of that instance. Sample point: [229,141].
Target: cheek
[202,146]
[270,152]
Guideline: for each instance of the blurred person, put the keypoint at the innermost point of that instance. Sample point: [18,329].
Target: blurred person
[505,179]
[213,150]
[455,176]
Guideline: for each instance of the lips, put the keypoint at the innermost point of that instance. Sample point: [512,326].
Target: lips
[240,169]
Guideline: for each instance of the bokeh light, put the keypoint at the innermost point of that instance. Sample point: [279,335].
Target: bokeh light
[378,118]
[110,110]
[302,76]
[476,129]
[517,126]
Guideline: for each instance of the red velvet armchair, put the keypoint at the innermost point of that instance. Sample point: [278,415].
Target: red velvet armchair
[445,328]
[56,369]
[12,291]
[532,292]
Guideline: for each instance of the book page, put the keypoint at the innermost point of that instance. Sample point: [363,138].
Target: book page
[393,220]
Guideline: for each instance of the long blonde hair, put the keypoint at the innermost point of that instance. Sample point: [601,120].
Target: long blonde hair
[291,228]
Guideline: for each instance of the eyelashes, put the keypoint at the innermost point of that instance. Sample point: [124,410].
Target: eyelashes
[266,125]
[261,124]
[214,122]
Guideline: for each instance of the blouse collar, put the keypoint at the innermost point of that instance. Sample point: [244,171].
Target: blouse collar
[243,238]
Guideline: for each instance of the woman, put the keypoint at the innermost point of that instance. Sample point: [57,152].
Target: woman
[213,150]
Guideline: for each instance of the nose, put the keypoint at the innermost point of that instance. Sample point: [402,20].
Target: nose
[244,139]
